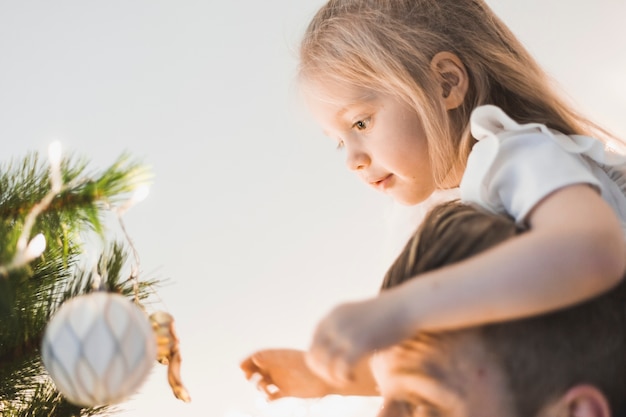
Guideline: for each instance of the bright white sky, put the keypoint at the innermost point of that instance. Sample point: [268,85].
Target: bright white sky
[252,218]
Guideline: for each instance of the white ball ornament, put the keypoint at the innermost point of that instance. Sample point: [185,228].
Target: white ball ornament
[98,349]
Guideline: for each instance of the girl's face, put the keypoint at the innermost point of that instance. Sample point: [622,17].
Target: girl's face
[382,137]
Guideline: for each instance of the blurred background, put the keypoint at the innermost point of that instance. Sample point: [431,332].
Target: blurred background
[253,223]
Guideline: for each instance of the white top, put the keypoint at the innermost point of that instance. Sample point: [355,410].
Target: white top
[513,166]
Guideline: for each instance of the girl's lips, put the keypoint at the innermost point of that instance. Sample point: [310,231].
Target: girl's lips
[383,183]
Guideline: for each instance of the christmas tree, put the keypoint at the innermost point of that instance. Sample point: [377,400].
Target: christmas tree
[52,210]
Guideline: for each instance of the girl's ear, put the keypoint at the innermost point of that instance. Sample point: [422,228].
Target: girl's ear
[582,401]
[452,77]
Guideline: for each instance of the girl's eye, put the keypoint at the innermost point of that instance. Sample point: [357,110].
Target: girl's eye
[361,124]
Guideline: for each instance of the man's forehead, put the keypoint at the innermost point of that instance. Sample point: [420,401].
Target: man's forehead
[429,358]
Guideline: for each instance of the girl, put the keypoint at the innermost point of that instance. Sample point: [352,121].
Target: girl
[428,95]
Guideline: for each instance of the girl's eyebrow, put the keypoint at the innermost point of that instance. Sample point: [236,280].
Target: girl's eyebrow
[365,98]
[340,113]
[343,110]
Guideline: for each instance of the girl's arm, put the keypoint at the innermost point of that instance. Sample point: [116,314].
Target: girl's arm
[573,251]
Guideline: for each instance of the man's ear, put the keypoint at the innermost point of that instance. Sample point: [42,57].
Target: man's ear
[582,401]
[452,77]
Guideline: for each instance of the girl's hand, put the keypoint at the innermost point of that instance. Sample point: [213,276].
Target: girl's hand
[353,331]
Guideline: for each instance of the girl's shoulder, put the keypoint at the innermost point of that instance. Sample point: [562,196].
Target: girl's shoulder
[513,165]
[492,127]
[489,120]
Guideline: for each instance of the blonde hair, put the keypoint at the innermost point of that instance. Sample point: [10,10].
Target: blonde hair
[386,46]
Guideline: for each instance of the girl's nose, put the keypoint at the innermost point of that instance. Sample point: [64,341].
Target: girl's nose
[357,159]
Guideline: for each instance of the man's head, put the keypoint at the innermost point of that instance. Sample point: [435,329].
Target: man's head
[567,363]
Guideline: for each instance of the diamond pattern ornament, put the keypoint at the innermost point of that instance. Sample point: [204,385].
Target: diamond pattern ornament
[98,349]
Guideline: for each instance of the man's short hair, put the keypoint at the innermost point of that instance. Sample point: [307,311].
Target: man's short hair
[542,356]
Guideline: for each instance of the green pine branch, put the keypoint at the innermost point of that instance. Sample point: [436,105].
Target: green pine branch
[31,294]
[78,206]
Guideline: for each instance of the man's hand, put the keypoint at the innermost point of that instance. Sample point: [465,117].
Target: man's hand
[284,373]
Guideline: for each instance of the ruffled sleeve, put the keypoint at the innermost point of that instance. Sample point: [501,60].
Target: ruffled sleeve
[514,166]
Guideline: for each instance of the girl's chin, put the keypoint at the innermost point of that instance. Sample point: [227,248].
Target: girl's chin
[409,199]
